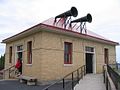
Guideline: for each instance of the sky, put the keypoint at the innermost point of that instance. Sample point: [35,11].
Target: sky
[18,15]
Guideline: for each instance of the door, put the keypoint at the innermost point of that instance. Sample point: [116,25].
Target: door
[89,63]
[20,58]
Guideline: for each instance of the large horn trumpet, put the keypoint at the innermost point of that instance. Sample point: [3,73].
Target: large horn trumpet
[72,12]
[87,18]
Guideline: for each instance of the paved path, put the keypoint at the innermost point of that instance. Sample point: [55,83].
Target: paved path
[91,82]
[16,85]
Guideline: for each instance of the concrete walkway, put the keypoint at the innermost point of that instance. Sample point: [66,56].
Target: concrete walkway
[91,82]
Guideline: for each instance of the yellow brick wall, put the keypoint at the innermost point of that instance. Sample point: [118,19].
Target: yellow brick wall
[54,55]
[30,70]
[48,55]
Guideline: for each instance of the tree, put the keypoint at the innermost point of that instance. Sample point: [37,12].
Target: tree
[2,62]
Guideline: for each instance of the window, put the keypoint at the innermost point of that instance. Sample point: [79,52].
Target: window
[19,52]
[10,54]
[67,53]
[106,56]
[89,49]
[19,48]
[29,52]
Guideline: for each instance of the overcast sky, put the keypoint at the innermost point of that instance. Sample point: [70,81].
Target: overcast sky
[18,15]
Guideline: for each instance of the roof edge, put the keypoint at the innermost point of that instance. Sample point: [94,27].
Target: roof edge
[70,31]
[86,35]
[26,30]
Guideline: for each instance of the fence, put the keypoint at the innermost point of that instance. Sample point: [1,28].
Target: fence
[112,75]
[69,81]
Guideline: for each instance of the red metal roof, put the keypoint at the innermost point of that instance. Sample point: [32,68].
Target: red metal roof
[59,24]
[75,28]
[59,27]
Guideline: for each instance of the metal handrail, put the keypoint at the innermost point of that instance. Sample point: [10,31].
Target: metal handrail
[114,76]
[9,70]
[83,72]
[111,77]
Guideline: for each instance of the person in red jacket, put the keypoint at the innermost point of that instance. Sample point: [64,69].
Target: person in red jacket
[18,65]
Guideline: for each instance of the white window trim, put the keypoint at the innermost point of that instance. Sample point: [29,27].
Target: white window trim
[68,65]
[29,64]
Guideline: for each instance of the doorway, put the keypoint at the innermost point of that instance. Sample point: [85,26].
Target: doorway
[20,58]
[90,60]
[19,55]
[89,63]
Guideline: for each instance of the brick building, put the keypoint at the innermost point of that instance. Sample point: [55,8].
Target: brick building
[48,51]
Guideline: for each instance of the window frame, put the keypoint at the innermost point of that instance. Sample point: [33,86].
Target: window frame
[89,49]
[10,54]
[106,55]
[29,52]
[68,52]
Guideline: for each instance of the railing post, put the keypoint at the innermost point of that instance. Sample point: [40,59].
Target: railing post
[103,74]
[72,82]
[106,83]
[63,84]
[81,73]
[84,70]
[78,75]
[9,72]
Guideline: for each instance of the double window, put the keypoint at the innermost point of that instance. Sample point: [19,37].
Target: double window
[29,52]
[67,53]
